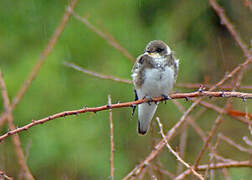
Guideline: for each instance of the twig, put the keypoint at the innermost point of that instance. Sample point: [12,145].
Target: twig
[111,40]
[48,49]
[95,74]
[238,113]
[182,148]
[198,85]
[217,166]
[112,149]
[224,20]
[15,139]
[232,143]
[165,172]
[129,104]
[225,173]
[175,154]
[220,110]
[209,138]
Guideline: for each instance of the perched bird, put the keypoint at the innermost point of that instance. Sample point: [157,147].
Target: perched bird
[154,74]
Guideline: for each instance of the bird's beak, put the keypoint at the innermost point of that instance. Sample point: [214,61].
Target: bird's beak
[153,54]
[149,53]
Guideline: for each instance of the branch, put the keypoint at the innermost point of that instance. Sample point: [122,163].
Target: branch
[110,39]
[112,148]
[207,86]
[175,154]
[95,74]
[224,20]
[15,139]
[232,143]
[216,166]
[129,104]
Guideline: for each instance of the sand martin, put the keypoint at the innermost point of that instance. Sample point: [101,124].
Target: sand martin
[154,74]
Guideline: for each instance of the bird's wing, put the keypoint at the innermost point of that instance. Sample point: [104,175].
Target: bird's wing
[134,106]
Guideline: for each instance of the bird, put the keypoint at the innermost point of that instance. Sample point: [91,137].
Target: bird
[153,74]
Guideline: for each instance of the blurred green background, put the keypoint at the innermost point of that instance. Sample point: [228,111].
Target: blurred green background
[78,147]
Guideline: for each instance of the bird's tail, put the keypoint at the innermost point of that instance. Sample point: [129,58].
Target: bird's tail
[145,115]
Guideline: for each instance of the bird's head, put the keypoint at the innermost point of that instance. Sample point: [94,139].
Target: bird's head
[157,49]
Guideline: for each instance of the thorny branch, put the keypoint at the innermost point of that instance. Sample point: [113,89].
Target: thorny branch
[129,104]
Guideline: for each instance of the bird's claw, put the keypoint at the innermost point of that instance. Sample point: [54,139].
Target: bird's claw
[166,97]
[149,99]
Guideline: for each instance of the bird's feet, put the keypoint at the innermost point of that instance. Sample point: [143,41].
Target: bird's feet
[149,99]
[166,97]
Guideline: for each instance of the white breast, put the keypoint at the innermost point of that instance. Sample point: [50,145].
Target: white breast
[157,81]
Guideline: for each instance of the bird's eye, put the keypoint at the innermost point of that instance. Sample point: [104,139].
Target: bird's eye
[159,49]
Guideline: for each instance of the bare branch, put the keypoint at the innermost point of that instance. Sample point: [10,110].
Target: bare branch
[207,86]
[224,20]
[112,149]
[95,74]
[175,154]
[110,39]
[209,138]
[15,139]
[217,166]
[130,104]
[232,143]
